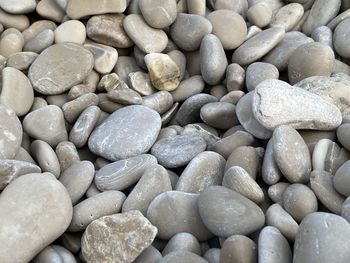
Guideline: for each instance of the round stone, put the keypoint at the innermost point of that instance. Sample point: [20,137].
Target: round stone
[288,16]
[158,14]
[60,67]
[70,31]
[182,256]
[258,72]
[341,42]
[260,14]
[141,127]
[182,242]
[18,6]
[270,172]
[341,179]
[220,115]
[238,248]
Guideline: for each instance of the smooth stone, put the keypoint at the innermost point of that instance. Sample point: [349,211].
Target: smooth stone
[108,29]
[75,64]
[279,218]
[175,212]
[10,133]
[71,241]
[232,97]
[240,6]
[37,27]
[257,46]
[280,54]
[178,150]
[288,16]
[48,211]
[343,135]
[180,60]
[17,92]
[77,178]
[345,209]
[23,155]
[188,30]
[141,82]
[322,237]
[220,115]
[311,59]
[12,169]
[154,181]
[244,112]
[238,180]
[113,143]
[105,57]
[206,169]
[213,59]
[341,43]
[259,14]
[252,31]
[125,65]
[47,124]
[294,106]
[227,213]
[273,246]
[149,255]
[196,7]
[21,60]
[78,8]
[324,35]
[276,191]
[212,255]
[238,248]
[321,13]
[46,157]
[229,27]
[70,31]
[160,101]
[319,154]
[188,87]
[124,95]
[67,154]
[49,254]
[189,111]
[20,22]
[95,207]
[131,233]
[270,172]
[158,14]
[311,137]
[182,242]
[209,136]
[50,10]
[291,154]
[148,39]
[107,106]
[258,72]
[341,179]
[40,42]
[322,185]
[182,256]
[218,91]
[338,19]
[18,6]
[163,71]
[11,42]
[84,125]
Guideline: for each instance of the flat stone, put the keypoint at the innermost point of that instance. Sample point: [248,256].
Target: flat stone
[19,22]
[277,103]
[238,248]
[17,91]
[75,63]
[37,27]
[124,95]
[178,150]
[108,29]
[258,46]
[45,194]
[10,133]
[260,14]
[160,101]
[188,87]
[21,60]
[105,57]
[175,212]
[18,6]
[322,237]
[47,124]
[121,174]
[50,10]
[11,42]
[148,39]
[131,233]
[220,115]
[291,154]
[113,143]
[158,14]
[78,8]
[70,31]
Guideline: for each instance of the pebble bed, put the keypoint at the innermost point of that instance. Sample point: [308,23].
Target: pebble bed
[175,131]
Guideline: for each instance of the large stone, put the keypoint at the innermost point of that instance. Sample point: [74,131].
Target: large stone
[34,207]
[60,67]
[276,102]
[130,233]
[127,132]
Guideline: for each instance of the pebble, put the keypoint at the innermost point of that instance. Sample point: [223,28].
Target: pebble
[232,97]
[258,72]
[45,194]
[322,185]
[345,213]
[95,207]
[338,19]
[220,115]
[47,124]
[273,246]
[11,42]
[229,27]
[17,92]
[276,191]
[270,172]
[324,35]
[319,154]
[71,31]
[175,212]
[158,14]
[149,255]
[260,14]
[105,57]
[75,64]
[212,255]
[293,106]
[37,27]
[20,22]
[121,174]
[188,87]
[18,6]
[240,6]
[131,233]
[40,42]
[55,253]
[124,95]
[341,179]
[213,59]
[141,83]
[235,77]
[322,237]
[205,169]
[67,154]
[113,143]
[341,43]
[311,59]
[108,29]
[258,46]
[21,60]
[188,30]
[182,242]
[227,213]
[343,135]
[147,39]
[181,256]
[238,248]
[291,154]
[288,16]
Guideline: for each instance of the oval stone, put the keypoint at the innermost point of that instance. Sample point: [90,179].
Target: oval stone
[127,132]
[341,42]
[158,14]
[60,67]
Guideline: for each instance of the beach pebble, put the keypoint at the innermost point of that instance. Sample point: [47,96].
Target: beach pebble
[70,31]
[220,115]
[324,35]
[18,6]
[188,87]
[258,72]
[181,256]
[288,16]
[341,179]
[341,42]
[149,255]
[105,57]
[20,22]
[182,242]
[21,60]
[158,14]
[270,172]
[40,42]
[259,14]
[11,42]
[276,191]
[238,248]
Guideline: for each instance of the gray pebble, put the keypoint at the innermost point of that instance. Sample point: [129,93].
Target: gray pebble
[158,14]
[276,191]
[238,248]
[188,87]
[40,42]
[341,179]
[323,34]
[182,242]
[345,209]
[149,255]
[235,77]
[21,60]
[221,115]
[160,101]
[270,172]
[182,256]
[258,72]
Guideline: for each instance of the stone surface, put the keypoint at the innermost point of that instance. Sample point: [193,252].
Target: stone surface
[288,16]
[260,14]
[11,42]
[220,115]
[45,194]
[18,6]
[21,60]
[270,172]
[341,179]
[158,14]
[181,256]
[75,63]
[71,31]
[341,43]
[113,143]
[258,72]
[105,57]
[238,248]
[182,242]
[40,42]
[131,233]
